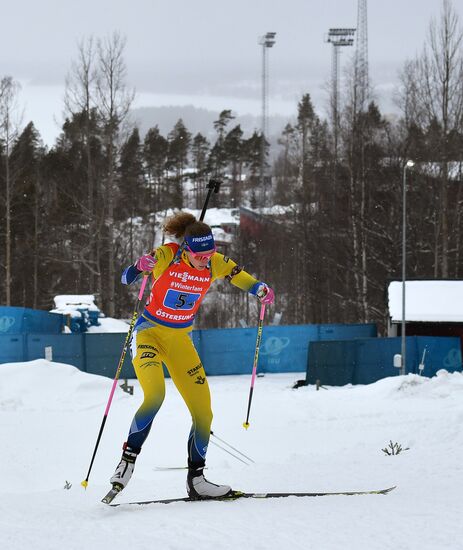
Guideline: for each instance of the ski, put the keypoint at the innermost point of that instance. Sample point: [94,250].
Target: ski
[169,468]
[236,495]
[110,496]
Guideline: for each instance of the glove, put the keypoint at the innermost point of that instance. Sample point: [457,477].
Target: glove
[145,263]
[265,294]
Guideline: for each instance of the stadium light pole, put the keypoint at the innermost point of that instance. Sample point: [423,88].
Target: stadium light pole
[338,38]
[408,164]
[266,41]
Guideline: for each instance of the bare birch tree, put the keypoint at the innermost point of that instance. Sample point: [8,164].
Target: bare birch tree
[9,129]
[432,95]
[113,102]
[80,102]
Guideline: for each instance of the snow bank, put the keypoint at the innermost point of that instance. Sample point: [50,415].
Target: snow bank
[42,385]
[326,440]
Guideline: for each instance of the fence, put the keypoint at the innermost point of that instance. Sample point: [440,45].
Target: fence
[15,320]
[364,361]
[222,351]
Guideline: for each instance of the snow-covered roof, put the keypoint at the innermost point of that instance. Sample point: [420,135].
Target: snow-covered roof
[73,301]
[427,301]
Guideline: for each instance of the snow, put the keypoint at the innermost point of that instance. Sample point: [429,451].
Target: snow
[217,218]
[108,324]
[77,307]
[454,169]
[214,216]
[301,440]
[427,301]
[73,301]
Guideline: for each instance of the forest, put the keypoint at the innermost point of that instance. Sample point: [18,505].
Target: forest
[74,214]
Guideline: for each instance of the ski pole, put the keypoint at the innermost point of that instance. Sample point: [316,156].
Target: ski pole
[229,452]
[118,372]
[167,468]
[213,185]
[231,447]
[254,367]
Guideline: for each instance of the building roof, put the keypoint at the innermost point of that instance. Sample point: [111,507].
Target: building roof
[427,301]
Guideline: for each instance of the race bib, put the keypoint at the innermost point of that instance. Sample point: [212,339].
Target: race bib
[175,299]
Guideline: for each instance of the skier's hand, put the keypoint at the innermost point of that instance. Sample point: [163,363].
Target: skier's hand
[145,263]
[265,294]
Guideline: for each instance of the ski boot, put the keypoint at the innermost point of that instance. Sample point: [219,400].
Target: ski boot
[125,468]
[198,487]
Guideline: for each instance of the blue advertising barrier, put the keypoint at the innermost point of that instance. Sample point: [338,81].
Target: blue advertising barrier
[231,351]
[94,353]
[12,348]
[222,351]
[64,348]
[364,361]
[20,320]
[283,348]
[103,351]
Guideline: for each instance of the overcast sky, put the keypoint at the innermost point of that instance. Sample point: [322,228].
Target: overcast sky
[205,52]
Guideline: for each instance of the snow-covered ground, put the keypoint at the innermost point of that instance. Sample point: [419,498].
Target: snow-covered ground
[301,440]
[108,324]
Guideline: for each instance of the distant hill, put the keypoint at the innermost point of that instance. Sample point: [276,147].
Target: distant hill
[201,120]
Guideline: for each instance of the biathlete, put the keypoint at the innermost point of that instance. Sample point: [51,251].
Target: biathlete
[181,277]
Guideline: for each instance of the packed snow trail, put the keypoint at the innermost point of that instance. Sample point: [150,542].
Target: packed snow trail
[301,440]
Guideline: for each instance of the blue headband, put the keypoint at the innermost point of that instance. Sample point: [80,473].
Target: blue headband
[200,244]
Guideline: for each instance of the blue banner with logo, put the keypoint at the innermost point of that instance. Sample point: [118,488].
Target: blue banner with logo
[284,348]
[20,320]
[222,351]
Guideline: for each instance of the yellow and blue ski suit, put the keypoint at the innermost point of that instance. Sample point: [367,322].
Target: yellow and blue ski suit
[162,335]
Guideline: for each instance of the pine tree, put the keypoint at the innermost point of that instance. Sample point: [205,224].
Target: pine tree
[132,205]
[177,160]
[285,169]
[155,150]
[233,153]
[199,150]
[252,155]
[27,213]
[218,158]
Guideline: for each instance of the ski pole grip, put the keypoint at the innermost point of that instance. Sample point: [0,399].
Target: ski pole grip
[214,184]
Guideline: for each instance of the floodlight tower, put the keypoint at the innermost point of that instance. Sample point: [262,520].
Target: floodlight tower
[361,84]
[338,38]
[266,41]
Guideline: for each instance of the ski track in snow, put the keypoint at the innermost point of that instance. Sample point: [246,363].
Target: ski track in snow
[301,440]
